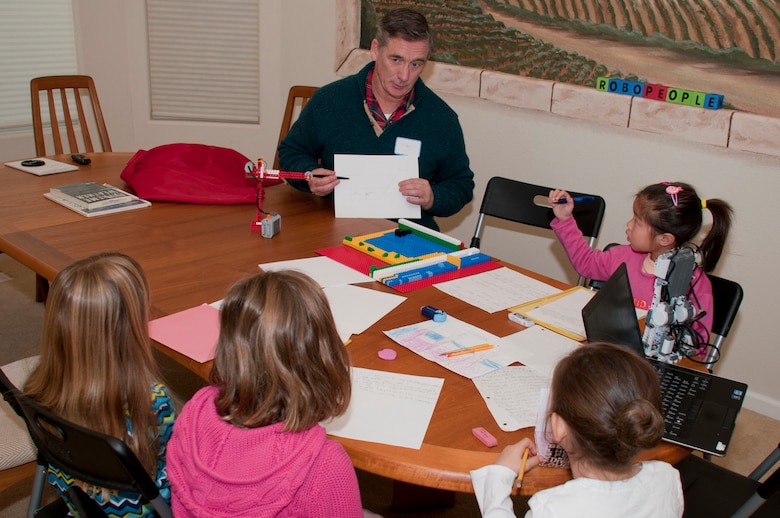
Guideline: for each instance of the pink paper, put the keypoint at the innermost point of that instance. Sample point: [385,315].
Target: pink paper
[192,332]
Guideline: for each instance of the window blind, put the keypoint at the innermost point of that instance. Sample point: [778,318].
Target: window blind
[37,39]
[204,60]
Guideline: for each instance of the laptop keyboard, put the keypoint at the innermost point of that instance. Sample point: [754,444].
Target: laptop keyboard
[681,392]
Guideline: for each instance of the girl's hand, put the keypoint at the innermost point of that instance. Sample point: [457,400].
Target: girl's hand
[562,211]
[512,456]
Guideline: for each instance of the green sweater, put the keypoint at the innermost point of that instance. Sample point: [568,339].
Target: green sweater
[334,121]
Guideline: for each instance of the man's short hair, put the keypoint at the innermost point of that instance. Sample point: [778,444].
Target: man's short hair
[404,23]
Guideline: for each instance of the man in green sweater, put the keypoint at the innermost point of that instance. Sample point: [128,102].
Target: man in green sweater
[386,109]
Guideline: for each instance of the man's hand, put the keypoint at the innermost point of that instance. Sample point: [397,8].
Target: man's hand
[417,191]
[322,181]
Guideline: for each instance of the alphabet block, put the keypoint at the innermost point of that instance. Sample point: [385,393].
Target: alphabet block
[674,95]
[660,93]
[655,92]
[713,101]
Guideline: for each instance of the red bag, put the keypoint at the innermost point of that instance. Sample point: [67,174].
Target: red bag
[193,173]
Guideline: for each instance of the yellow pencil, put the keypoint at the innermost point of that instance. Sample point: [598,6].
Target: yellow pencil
[468,350]
[522,468]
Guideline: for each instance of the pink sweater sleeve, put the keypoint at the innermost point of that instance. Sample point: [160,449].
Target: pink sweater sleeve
[590,263]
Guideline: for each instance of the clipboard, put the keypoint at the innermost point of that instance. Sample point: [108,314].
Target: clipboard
[561,312]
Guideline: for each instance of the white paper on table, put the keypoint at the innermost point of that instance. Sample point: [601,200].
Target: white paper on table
[355,309]
[388,408]
[535,347]
[49,167]
[432,339]
[497,289]
[512,395]
[564,313]
[372,188]
[324,270]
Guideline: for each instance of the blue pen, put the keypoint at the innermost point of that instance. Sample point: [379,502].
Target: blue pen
[561,201]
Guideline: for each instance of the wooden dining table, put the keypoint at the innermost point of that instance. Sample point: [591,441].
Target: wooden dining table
[192,253]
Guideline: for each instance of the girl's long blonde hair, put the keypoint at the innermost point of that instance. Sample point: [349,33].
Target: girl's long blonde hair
[96,366]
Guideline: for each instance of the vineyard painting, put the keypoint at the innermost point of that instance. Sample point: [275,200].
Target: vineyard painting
[727,47]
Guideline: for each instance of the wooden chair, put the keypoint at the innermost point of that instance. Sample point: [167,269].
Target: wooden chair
[60,93]
[296,100]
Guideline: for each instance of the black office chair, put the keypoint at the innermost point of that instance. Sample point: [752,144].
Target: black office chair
[89,456]
[713,491]
[514,200]
[727,297]
[594,284]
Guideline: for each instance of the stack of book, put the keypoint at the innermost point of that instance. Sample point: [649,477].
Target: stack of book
[93,199]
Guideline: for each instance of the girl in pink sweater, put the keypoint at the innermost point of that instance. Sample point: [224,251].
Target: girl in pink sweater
[666,215]
[250,444]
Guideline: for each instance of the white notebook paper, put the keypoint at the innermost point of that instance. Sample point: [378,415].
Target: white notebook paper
[49,166]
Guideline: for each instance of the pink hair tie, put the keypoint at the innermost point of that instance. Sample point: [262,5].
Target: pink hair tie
[673,190]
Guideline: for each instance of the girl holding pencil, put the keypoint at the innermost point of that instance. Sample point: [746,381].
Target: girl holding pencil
[604,409]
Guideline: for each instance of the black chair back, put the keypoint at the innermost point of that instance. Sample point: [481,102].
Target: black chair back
[514,200]
[727,297]
[86,455]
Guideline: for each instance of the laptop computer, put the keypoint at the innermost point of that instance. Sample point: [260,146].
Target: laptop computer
[700,409]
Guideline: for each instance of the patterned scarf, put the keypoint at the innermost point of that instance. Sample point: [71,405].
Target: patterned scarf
[376,111]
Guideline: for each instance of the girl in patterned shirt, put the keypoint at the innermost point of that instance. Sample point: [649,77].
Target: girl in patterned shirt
[97,370]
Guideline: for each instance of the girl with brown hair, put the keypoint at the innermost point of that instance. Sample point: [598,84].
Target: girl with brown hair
[250,444]
[604,409]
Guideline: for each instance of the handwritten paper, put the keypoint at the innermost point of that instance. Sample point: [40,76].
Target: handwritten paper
[497,289]
[512,395]
[388,408]
[372,188]
[432,340]
[565,313]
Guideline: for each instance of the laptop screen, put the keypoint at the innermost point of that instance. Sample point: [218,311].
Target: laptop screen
[610,315]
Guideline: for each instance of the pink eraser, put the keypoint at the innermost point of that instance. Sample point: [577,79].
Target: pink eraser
[484,436]
[387,354]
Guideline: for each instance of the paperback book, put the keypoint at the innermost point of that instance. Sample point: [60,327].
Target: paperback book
[94,199]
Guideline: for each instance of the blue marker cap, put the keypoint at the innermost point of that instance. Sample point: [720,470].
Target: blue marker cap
[434,314]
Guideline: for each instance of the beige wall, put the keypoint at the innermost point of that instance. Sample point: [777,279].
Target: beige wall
[298,41]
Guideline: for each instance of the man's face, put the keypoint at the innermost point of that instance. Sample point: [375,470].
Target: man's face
[398,65]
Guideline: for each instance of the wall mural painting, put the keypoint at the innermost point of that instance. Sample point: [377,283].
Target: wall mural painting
[727,47]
